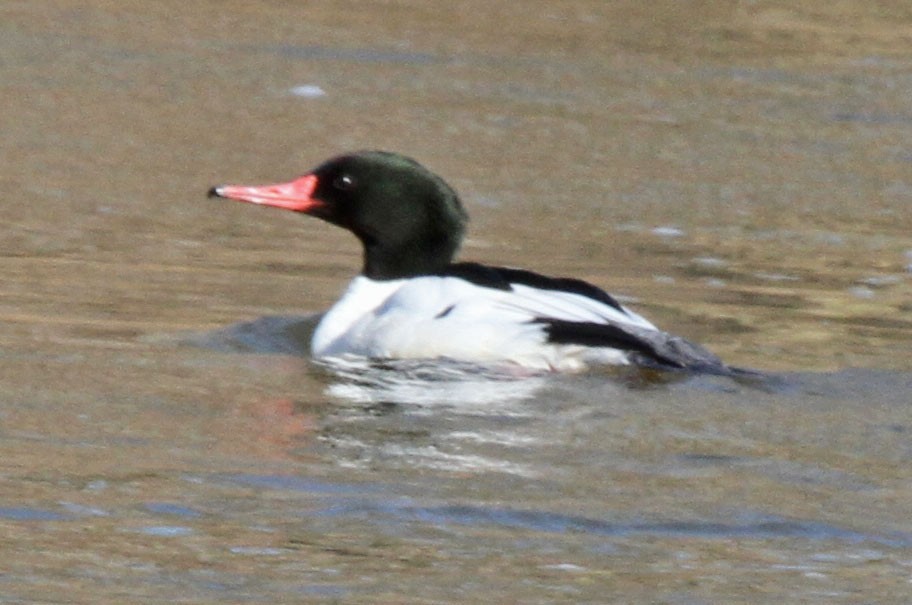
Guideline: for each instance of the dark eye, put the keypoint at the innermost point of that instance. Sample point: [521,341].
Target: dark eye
[344,182]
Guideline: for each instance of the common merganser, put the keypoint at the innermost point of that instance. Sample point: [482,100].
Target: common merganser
[412,301]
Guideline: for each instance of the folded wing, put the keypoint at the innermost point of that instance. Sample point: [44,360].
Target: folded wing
[574,312]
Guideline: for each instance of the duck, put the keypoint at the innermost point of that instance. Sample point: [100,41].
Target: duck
[414,301]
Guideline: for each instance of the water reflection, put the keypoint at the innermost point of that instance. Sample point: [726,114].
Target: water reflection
[395,507]
[473,389]
[543,521]
[25,513]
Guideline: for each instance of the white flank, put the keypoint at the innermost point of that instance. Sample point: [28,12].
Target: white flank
[447,317]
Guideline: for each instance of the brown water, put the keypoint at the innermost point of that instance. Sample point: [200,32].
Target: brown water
[741,173]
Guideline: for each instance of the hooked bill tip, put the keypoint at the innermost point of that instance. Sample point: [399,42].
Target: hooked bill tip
[213,192]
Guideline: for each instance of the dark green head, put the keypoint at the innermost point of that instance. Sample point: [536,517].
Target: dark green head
[409,220]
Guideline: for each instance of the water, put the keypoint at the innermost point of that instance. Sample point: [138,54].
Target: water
[740,178]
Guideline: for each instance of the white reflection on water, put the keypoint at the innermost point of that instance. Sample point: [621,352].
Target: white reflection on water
[476,390]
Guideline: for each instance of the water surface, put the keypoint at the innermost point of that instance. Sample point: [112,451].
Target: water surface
[738,175]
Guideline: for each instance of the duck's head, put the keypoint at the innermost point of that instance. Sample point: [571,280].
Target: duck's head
[409,220]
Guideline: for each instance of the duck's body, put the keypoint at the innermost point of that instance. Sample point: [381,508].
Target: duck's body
[450,316]
[412,302]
